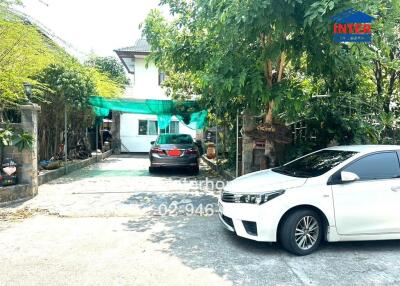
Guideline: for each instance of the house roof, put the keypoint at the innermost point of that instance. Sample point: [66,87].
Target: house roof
[141,47]
[352,16]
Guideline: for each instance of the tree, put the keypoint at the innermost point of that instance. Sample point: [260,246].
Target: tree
[237,51]
[23,53]
[69,80]
[382,56]
[272,56]
[104,86]
[368,72]
[110,67]
[27,55]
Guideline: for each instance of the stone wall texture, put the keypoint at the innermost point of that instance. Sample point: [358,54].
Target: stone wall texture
[27,160]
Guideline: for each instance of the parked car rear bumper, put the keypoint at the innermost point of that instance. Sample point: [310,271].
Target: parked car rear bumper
[166,161]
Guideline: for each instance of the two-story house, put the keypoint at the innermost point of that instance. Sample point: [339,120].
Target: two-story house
[138,130]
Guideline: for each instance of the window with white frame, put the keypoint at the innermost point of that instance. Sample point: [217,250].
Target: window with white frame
[161,77]
[172,128]
[148,127]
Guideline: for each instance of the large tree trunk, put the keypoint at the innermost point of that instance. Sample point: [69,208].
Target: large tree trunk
[270,152]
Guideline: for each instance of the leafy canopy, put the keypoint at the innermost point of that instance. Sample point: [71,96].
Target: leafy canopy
[110,67]
[23,53]
[27,56]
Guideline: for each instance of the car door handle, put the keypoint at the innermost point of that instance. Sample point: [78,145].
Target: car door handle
[396,189]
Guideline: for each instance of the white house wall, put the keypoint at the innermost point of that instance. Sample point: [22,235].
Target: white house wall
[133,142]
[144,83]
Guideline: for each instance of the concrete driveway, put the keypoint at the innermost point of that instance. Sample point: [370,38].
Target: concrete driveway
[115,224]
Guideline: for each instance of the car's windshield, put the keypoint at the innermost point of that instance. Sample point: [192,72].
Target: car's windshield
[315,164]
[174,139]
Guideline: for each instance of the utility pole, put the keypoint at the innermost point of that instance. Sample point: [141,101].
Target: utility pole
[65,139]
[97,141]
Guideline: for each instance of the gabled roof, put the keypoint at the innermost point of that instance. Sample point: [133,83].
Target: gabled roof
[141,47]
[352,16]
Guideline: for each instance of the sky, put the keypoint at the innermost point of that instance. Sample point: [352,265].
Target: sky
[98,26]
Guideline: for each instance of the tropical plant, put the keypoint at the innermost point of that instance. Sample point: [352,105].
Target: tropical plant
[22,141]
[11,137]
[6,137]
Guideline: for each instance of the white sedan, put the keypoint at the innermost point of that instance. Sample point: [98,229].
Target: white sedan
[341,193]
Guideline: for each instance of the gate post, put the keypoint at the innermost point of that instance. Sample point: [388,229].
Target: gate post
[116,132]
[247,141]
[29,161]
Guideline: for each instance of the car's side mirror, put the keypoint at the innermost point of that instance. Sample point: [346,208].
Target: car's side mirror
[152,142]
[348,177]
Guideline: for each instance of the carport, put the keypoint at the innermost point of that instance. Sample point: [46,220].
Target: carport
[187,113]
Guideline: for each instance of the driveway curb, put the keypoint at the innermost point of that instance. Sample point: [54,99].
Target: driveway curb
[212,165]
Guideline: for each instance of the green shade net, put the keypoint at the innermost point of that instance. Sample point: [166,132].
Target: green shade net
[188,112]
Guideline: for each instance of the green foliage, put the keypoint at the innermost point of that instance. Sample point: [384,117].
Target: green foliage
[68,80]
[217,51]
[22,141]
[27,56]
[110,67]
[10,137]
[6,136]
[104,85]
[23,53]
[381,59]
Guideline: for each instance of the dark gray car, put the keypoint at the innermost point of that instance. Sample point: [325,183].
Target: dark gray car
[174,150]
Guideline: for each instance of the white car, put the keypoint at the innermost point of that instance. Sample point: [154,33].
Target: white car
[340,193]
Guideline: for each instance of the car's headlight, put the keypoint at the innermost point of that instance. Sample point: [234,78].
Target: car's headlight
[258,199]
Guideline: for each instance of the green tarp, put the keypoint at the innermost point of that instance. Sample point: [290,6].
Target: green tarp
[187,112]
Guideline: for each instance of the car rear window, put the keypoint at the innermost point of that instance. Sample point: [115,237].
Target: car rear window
[174,139]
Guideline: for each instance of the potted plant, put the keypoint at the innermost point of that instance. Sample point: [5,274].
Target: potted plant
[8,137]
[211,152]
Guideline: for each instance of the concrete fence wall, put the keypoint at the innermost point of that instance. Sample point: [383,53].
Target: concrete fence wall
[71,167]
[26,160]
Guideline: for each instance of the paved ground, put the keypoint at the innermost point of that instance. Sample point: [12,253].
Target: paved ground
[109,225]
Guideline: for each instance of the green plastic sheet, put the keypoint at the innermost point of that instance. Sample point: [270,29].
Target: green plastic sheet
[188,112]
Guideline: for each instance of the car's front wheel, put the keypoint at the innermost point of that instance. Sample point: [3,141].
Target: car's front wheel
[301,232]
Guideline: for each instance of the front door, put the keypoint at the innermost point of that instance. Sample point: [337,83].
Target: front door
[372,204]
